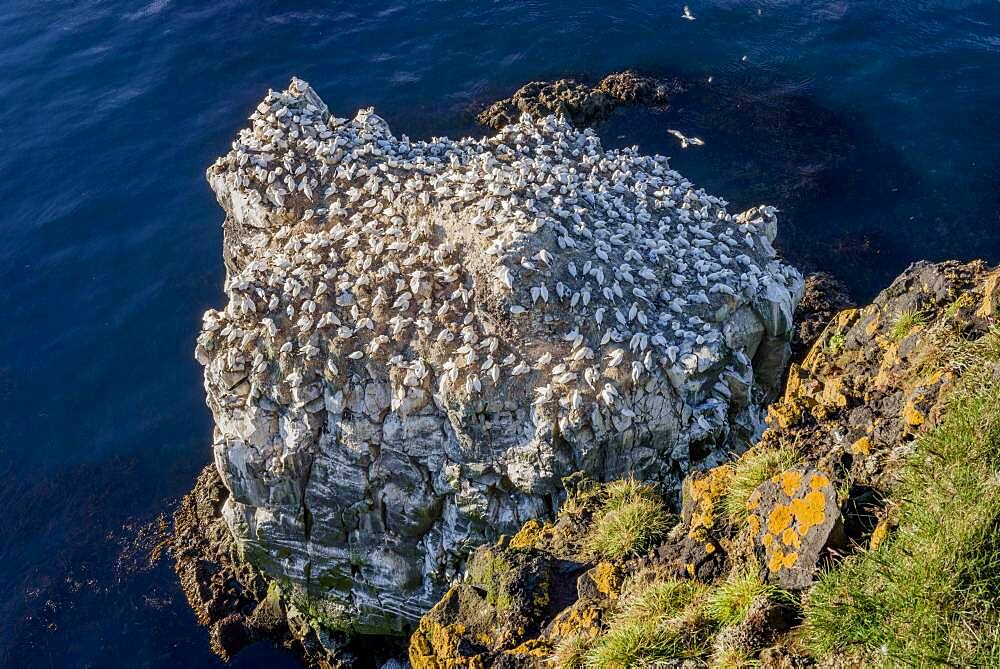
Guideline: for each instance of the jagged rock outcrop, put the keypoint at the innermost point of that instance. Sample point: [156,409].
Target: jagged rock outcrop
[579,103]
[422,338]
[817,486]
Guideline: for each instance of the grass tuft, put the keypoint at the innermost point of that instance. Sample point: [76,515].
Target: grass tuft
[748,473]
[929,594]
[906,322]
[659,599]
[658,621]
[729,602]
[570,651]
[632,519]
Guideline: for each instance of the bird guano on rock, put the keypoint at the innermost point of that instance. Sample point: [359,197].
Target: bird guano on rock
[550,305]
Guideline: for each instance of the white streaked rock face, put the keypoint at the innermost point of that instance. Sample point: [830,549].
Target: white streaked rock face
[422,338]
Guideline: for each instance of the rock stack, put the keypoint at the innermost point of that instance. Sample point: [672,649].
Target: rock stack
[422,338]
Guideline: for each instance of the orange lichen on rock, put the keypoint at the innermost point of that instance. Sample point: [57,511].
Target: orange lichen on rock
[705,493]
[796,513]
[791,538]
[606,578]
[531,648]
[582,616]
[862,446]
[790,481]
[780,560]
[435,646]
[528,535]
[833,393]
[779,519]
[809,511]
[818,481]
[912,416]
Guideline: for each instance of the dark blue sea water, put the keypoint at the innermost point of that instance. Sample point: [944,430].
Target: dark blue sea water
[873,125]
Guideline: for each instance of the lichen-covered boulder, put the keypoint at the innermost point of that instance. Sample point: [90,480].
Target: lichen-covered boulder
[795,520]
[422,338]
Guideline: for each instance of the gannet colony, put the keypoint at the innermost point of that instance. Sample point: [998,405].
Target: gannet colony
[423,337]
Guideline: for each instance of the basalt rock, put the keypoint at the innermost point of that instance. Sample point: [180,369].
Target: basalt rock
[794,521]
[823,298]
[421,339]
[579,103]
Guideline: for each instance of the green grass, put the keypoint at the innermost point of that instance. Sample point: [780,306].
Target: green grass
[659,599]
[836,343]
[570,651]
[657,621]
[632,519]
[930,595]
[636,643]
[748,473]
[906,322]
[729,602]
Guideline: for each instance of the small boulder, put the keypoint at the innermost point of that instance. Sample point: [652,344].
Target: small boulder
[795,519]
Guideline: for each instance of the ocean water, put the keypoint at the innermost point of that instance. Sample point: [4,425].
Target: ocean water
[873,125]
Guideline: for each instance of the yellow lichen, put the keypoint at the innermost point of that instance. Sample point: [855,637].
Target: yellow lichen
[781,560]
[912,416]
[709,548]
[578,617]
[890,359]
[531,648]
[862,446]
[790,482]
[779,519]
[754,523]
[706,492]
[879,535]
[791,538]
[435,646]
[528,535]
[606,579]
[833,393]
[809,511]
[818,481]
